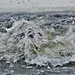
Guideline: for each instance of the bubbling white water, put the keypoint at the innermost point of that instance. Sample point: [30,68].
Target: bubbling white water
[26,39]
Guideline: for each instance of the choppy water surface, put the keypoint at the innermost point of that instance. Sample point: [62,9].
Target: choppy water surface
[37,44]
[23,69]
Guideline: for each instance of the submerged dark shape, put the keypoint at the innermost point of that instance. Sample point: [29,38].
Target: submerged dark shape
[30,33]
[31,36]
[70,64]
[58,15]
[21,35]
[9,24]
[39,33]
[3,30]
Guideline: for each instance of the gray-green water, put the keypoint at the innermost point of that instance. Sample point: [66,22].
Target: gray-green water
[37,44]
[22,69]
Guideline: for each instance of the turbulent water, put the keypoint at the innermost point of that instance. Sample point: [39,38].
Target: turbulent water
[41,39]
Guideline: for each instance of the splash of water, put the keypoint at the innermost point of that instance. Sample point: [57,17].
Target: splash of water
[35,43]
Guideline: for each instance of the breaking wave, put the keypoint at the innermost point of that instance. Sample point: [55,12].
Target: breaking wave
[38,39]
